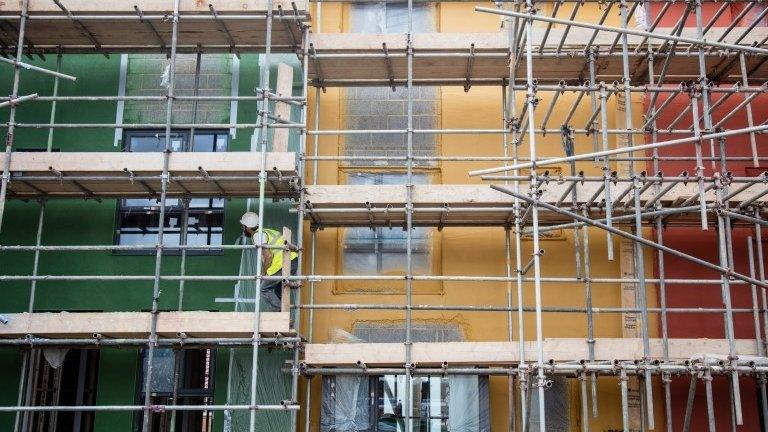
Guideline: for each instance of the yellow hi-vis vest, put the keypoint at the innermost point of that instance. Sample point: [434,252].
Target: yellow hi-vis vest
[275,238]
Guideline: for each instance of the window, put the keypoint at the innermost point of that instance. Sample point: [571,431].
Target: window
[382,250]
[381,108]
[138,218]
[376,403]
[61,377]
[421,331]
[440,403]
[391,17]
[147,75]
[196,379]
[556,405]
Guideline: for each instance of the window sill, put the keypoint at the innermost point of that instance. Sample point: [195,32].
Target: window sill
[388,288]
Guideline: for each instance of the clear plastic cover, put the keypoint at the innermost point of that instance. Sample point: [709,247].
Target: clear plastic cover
[346,404]
[163,360]
[382,250]
[556,404]
[273,385]
[149,75]
[356,403]
[245,289]
[55,356]
[391,17]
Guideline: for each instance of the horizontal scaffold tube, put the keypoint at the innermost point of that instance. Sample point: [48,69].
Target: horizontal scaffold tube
[722,270]
[641,147]
[604,369]
[160,408]
[562,309]
[321,278]
[628,31]
[163,341]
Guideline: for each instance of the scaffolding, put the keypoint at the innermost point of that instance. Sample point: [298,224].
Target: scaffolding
[709,64]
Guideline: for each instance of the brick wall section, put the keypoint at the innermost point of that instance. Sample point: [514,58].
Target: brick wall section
[144,78]
[383,332]
[381,108]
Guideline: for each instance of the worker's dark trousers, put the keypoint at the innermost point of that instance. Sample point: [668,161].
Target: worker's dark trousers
[272,291]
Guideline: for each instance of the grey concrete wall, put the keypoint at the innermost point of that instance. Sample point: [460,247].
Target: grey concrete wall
[381,108]
[144,79]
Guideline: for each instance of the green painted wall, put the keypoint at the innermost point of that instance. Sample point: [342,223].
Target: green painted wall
[79,222]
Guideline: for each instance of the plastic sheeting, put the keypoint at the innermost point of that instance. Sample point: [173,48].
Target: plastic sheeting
[55,356]
[556,405]
[458,403]
[391,17]
[468,404]
[357,403]
[245,290]
[391,332]
[163,360]
[383,108]
[641,18]
[346,404]
[149,75]
[383,332]
[272,385]
[382,250]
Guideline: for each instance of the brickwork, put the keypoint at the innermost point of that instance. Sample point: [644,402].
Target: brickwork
[382,108]
[144,78]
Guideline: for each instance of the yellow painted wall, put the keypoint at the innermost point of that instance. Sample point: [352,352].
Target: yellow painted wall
[480,251]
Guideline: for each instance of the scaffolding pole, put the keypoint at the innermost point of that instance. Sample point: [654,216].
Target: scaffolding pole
[621,204]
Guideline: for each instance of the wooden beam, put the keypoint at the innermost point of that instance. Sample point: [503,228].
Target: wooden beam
[285,305]
[145,162]
[282,109]
[136,324]
[468,204]
[116,172]
[134,35]
[631,323]
[481,195]
[490,63]
[505,353]
[147,6]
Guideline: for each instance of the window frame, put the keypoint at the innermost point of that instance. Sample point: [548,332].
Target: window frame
[372,166]
[88,363]
[376,395]
[343,170]
[391,287]
[188,395]
[348,8]
[187,142]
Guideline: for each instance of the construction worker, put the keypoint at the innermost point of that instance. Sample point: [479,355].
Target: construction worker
[272,259]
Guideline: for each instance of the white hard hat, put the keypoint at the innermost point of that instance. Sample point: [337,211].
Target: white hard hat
[250,219]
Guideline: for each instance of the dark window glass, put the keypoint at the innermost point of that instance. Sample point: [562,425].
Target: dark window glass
[59,377]
[196,371]
[138,219]
[354,403]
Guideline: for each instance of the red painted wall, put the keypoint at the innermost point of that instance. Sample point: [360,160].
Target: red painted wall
[703,244]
